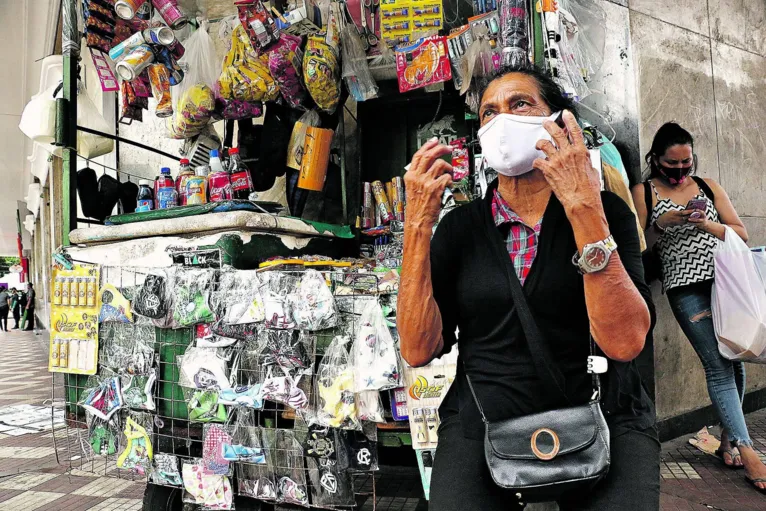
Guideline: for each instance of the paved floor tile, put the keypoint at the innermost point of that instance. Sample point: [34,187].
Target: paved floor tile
[118,505]
[25,452]
[103,487]
[29,501]
[25,481]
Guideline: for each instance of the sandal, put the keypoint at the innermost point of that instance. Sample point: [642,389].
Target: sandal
[734,453]
[754,483]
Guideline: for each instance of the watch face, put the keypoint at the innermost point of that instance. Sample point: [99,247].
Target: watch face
[596,257]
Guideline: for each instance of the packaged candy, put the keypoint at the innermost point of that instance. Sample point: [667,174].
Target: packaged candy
[193,112]
[321,73]
[423,63]
[245,78]
[460,159]
[286,66]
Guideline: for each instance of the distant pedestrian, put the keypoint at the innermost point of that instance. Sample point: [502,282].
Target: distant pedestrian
[30,308]
[16,307]
[5,304]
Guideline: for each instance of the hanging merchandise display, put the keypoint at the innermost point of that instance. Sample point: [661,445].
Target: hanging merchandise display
[424,62]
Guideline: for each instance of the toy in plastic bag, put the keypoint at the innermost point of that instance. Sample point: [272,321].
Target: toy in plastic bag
[203,406]
[330,486]
[313,305]
[114,306]
[216,439]
[153,298]
[286,66]
[291,476]
[104,400]
[257,22]
[210,491]
[191,290]
[137,451]
[246,442]
[166,471]
[356,72]
[103,436]
[275,287]
[159,78]
[203,368]
[138,392]
[321,72]
[369,406]
[373,354]
[336,406]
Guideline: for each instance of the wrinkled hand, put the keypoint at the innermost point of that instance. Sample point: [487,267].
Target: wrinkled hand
[425,182]
[674,218]
[568,168]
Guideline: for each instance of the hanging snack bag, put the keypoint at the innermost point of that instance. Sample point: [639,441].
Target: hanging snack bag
[244,76]
[373,355]
[313,305]
[423,63]
[460,159]
[191,290]
[286,66]
[336,406]
[321,72]
[160,81]
[257,22]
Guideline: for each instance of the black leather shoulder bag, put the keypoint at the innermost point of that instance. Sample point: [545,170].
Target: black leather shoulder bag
[545,455]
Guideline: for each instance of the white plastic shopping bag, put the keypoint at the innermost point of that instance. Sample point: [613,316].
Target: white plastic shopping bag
[738,302]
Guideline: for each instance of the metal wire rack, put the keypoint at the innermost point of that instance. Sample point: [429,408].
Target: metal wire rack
[130,349]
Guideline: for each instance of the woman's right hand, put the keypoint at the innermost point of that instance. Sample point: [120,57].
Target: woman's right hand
[425,182]
[674,218]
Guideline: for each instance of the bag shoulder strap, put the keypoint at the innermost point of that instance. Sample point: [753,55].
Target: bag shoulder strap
[648,200]
[704,187]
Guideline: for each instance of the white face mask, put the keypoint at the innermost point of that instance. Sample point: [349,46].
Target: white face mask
[508,142]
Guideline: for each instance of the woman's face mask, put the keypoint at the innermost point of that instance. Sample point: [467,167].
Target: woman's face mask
[508,142]
[676,175]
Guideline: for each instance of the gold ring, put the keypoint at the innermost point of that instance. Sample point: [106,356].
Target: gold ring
[543,455]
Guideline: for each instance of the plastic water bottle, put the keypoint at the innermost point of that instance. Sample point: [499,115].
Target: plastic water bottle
[165,195]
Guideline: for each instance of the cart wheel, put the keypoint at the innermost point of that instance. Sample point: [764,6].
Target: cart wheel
[162,498]
[247,504]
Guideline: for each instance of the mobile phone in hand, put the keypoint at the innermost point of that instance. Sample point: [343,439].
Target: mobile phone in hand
[697,204]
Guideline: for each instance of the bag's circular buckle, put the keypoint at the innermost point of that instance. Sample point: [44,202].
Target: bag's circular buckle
[545,456]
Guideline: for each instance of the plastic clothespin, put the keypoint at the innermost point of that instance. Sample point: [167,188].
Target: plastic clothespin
[597,365]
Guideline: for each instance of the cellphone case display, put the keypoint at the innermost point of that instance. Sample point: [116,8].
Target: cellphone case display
[73,346]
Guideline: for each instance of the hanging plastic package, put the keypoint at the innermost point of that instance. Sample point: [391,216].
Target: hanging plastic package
[203,368]
[210,491]
[89,145]
[321,72]
[336,406]
[356,72]
[313,305]
[369,406]
[257,480]
[193,98]
[357,452]
[166,471]
[152,299]
[237,299]
[132,105]
[373,355]
[137,448]
[191,291]
[246,442]
[257,22]
[216,439]
[290,471]
[204,407]
[104,400]
[281,387]
[287,349]
[584,24]
[138,392]
[159,78]
[114,306]
[330,486]
[103,436]
[321,443]
[513,38]
[298,138]
[275,287]
[738,301]
[286,66]
[244,76]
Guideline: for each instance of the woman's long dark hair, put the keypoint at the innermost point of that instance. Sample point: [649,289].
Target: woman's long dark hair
[668,135]
[550,91]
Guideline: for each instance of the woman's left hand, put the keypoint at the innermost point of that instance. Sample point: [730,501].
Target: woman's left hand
[568,168]
[701,223]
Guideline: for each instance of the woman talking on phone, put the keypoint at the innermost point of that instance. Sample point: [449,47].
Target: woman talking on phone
[521,280]
[688,214]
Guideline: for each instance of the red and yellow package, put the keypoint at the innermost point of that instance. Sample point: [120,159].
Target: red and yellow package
[423,63]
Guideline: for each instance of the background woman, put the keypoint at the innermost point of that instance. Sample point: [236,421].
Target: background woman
[688,214]
[545,208]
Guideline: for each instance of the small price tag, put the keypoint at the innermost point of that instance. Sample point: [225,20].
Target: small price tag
[105,73]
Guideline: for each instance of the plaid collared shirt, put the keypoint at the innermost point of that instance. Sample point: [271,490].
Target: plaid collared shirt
[522,239]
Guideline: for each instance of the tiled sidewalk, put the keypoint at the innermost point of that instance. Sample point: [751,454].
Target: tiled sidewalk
[30,476]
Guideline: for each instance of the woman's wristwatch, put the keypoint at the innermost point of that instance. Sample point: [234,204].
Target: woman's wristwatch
[595,256]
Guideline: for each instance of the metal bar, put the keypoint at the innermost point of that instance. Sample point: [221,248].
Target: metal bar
[131,142]
[343,187]
[71,51]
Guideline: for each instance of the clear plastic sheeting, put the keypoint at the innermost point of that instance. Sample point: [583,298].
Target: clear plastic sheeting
[514,39]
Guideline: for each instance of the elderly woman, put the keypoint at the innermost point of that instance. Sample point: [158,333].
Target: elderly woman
[575,251]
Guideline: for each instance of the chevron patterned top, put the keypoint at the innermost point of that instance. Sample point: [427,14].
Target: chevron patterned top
[686,252]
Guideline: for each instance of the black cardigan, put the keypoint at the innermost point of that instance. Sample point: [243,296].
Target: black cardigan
[469,270]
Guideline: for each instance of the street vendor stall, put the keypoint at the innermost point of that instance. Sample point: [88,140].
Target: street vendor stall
[228,330]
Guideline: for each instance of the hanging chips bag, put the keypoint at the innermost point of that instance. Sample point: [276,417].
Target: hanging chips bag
[321,72]
[286,66]
[245,77]
[159,78]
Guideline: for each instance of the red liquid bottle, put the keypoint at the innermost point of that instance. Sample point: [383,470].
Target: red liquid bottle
[241,182]
[219,182]
[163,182]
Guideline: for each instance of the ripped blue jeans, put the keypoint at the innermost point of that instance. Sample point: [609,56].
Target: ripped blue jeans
[725,379]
